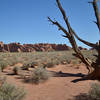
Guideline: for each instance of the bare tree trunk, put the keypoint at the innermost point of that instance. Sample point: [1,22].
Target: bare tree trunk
[92,66]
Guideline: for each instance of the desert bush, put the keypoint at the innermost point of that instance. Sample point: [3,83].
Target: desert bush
[3,65]
[14,60]
[82,96]
[95,91]
[11,92]
[56,62]
[93,94]
[2,79]
[49,65]
[38,75]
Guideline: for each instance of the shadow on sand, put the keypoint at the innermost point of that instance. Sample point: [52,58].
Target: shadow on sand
[62,74]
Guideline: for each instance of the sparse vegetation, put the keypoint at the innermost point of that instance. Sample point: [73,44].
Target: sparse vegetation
[38,75]
[31,62]
[94,92]
[49,65]
[3,65]
[11,92]
[33,59]
[37,67]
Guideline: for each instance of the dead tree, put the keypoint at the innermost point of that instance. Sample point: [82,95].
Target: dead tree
[92,66]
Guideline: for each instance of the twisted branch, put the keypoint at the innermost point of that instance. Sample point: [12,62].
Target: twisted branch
[70,35]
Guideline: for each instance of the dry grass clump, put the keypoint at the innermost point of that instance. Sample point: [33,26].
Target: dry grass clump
[93,94]
[11,92]
[95,91]
[82,96]
[49,65]
[39,75]
[3,65]
[2,79]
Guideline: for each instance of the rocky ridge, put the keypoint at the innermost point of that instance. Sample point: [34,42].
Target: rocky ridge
[17,47]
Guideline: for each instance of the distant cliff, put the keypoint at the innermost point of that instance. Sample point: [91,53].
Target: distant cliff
[17,47]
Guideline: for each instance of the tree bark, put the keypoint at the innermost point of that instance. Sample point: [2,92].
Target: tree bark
[92,66]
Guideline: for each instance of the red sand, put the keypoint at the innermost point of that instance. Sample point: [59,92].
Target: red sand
[56,88]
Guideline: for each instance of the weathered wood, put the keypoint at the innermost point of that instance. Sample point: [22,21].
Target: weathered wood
[92,66]
[97,14]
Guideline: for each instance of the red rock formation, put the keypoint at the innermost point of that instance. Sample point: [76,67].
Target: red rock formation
[61,47]
[17,47]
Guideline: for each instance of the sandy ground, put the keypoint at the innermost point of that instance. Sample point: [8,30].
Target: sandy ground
[59,87]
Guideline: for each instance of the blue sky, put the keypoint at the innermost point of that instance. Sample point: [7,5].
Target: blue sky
[25,21]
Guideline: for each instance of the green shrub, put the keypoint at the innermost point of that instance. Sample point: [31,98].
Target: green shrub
[95,91]
[11,92]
